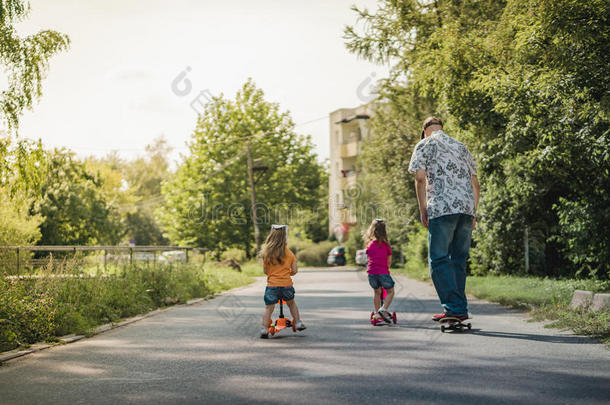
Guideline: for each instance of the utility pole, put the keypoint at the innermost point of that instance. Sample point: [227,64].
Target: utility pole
[257,235]
[526,243]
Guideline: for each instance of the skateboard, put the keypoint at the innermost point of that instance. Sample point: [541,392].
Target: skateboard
[452,323]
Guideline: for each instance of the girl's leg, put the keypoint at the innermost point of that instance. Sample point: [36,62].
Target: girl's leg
[294,310]
[388,298]
[267,315]
[377,298]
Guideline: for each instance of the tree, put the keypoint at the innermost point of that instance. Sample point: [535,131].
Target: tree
[73,205]
[524,84]
[133,188]
[145,176]
[207,201]
[25,60]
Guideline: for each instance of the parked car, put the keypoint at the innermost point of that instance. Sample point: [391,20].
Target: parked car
[337,256]
[361,257]
[173,256]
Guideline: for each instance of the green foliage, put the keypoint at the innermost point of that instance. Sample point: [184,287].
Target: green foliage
[24,317]
[589,323]
[34,310]
[524,84]
[315,254]
[73,205]
[236,254]
[55,191]
[416,254]
[207,202]
[354,242]
[134,188]
[17,227]
[24,60]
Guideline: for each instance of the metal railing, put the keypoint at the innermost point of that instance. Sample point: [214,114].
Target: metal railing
[14,259]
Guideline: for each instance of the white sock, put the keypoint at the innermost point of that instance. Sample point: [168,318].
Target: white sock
[381,308]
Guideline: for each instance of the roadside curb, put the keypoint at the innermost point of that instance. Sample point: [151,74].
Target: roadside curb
[71,338]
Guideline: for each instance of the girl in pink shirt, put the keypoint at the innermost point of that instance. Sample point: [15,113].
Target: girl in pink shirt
[379,254]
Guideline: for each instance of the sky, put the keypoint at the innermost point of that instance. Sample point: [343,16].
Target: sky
[125,79]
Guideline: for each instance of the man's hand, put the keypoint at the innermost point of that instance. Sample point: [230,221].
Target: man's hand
[474,223]
[423,214]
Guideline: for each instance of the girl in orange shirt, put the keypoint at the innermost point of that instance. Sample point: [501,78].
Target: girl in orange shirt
[279,265]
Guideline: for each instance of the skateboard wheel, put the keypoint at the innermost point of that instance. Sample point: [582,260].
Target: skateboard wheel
[394,319]
[469,326]
[372,314]
[443,328]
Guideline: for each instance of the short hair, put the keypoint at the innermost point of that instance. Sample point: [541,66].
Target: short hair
[429,122]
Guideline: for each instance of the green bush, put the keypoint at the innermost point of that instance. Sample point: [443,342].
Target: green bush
[34,310]
[354,243]
[315,255]
[236,254]
[24,318]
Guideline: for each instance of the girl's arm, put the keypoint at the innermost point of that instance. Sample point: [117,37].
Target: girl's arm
[264,270]
[293,268]
[389,261]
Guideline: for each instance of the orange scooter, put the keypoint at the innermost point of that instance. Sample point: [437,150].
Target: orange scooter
[281,322]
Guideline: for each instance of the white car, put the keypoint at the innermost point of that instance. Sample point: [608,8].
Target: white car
[361,258]
[173,256]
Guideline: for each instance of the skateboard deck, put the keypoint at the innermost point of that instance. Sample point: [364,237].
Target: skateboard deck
[452,323]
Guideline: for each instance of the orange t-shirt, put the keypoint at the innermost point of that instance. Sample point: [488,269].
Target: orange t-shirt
[278,275]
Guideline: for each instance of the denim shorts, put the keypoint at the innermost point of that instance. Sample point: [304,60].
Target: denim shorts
[273,294]
[381,280]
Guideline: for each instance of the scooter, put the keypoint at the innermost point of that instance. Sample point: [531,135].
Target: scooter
[281,322]
[375,320]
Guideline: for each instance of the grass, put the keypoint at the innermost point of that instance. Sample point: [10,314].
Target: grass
[43,308]
[544,298]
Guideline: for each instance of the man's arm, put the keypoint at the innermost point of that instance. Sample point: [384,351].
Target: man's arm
[420,190]
[477,194]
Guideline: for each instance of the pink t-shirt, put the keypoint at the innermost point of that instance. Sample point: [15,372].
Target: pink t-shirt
[378,257]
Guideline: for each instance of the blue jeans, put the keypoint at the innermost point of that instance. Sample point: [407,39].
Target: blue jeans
[381,280]
[273,294]
[448,245]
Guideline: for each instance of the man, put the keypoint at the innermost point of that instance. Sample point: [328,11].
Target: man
[448,196]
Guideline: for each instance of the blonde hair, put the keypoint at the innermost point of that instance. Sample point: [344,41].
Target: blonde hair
[274,249]
[376,232]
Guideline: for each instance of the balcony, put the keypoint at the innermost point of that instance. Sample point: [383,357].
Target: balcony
[349,149]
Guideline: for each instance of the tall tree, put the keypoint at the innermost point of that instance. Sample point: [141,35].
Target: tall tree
[524,84]
[74,206]
[25,60]
[207,202]
[145,176]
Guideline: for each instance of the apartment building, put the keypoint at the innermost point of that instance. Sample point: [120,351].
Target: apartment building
[348,127]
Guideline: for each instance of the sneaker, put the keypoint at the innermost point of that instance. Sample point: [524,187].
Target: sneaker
[438,317]
[385,315]
[300,325]
[264,333]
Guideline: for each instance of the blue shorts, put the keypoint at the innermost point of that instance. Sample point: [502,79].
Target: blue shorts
[273,294]
[381,280]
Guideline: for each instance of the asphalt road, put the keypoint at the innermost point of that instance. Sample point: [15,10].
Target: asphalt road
[210,353]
